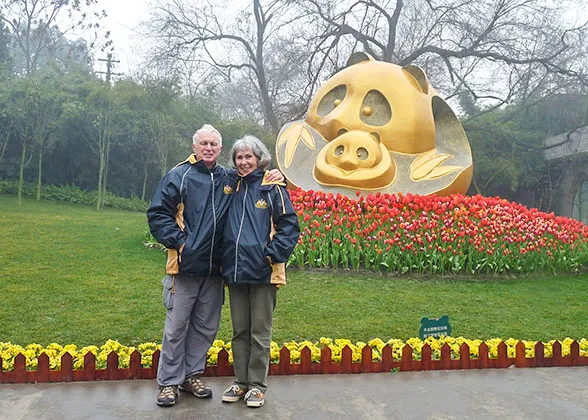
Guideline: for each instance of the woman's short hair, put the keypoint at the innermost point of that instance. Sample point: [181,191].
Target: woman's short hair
[208,129]
[264,158]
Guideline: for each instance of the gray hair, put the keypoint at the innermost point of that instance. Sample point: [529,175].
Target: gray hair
[208,129]
[264,158]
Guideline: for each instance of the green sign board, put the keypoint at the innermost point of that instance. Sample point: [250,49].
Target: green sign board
[435,327]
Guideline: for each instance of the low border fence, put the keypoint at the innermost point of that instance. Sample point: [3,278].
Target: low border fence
[407,363]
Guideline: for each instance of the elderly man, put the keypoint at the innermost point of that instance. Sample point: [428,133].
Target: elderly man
[187,215]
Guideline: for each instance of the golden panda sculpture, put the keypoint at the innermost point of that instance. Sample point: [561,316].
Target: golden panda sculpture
[376,127]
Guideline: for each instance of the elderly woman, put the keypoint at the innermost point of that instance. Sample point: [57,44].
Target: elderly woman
[259,236]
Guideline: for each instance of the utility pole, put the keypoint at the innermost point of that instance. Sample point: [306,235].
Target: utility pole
[105,133]
[109,65]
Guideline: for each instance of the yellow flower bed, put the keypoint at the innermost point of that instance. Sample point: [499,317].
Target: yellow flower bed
[9,351]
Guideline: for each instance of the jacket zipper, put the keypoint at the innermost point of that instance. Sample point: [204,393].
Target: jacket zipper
[213,225]
[239,234]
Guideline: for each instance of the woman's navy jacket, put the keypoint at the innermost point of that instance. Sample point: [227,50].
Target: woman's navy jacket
[250,248]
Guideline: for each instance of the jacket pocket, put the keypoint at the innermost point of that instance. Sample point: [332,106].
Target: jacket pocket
[168,291]
[252,267]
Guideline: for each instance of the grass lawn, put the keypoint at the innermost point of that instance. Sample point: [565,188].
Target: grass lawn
[69,274]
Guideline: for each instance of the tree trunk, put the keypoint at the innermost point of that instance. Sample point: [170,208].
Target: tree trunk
[21,176]
[106,162]
[144,182]
[4,147]
[100,175]
[268,109]
[40,170]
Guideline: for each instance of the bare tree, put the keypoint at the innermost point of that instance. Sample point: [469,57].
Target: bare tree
[33,25]
[495,50]
[235,48]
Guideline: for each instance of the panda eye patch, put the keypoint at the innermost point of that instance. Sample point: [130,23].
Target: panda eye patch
[375,109]
[331,100]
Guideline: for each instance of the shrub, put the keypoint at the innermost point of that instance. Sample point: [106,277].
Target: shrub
[73,194]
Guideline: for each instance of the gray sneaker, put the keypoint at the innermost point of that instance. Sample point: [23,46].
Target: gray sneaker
[233,393]
[195,385]
[254,398]
[168,395]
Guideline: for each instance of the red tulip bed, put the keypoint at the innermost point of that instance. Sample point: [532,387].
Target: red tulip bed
[430,234]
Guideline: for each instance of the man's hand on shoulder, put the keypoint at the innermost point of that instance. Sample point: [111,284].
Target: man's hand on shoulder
[275,175]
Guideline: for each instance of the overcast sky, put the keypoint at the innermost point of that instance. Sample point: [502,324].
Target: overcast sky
[124,17]
[122,21]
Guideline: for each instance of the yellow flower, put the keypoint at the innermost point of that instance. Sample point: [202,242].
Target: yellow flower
[323,341]
[218,343]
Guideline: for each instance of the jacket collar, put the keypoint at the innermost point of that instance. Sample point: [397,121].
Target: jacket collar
[200,165]
[256,175]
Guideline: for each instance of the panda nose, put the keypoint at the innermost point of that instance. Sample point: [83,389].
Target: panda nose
[335,127]
[347,163]
[349,158]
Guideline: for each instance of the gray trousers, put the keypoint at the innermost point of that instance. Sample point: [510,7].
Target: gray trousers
[252,308]
[191,324]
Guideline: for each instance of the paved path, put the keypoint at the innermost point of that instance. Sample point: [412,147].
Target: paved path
[537,393]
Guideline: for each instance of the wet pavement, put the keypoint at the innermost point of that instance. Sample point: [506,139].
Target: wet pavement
[530,393]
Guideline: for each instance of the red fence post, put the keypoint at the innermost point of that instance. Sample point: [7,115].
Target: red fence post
[574,354]
[556,359]
[67,374]
[20,370]
[155,363]
[43,368]
[464,356]
[426,357]
[112,366]
[223,368]
[305,360]
[284,364]
[325,360]
[483,356]
[521,355]
[502,355]
[366,360]
[539,354]
[445,356]
[135,365]
[89,367]
[406,363]
[346,360]
[387,361]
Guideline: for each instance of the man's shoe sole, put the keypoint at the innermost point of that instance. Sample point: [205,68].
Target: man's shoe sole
[255,404]
[166,404]
[231,399]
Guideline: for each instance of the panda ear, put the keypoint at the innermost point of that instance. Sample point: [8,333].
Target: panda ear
[419,75]
[358,57]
